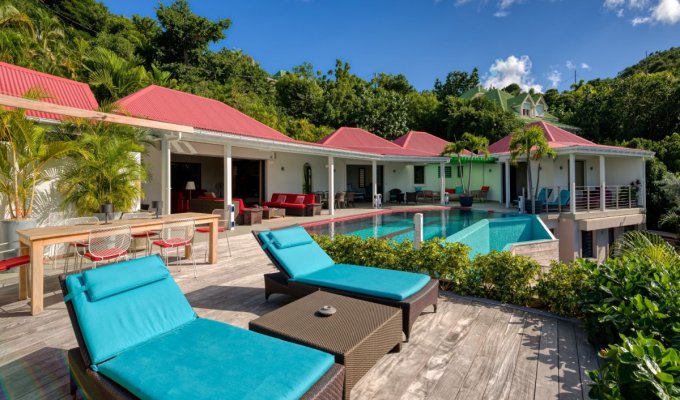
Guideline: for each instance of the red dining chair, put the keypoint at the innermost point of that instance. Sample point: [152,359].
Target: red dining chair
[12,262]
[222,227]
[107,244]
[79,247]
[174,235]
[141,235]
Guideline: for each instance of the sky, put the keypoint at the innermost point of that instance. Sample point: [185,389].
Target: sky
[538,44]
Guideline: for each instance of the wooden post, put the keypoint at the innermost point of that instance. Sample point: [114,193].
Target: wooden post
[37,271]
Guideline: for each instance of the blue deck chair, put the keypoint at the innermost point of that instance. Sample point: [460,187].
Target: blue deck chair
[562,200]
[138,337]
[304,268]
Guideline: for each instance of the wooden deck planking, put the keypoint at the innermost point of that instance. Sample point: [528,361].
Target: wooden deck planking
[466,350]
[569,372]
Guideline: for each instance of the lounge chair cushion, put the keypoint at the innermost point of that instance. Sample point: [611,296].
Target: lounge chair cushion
[304,258]
[206,359]
[116,313]
[377,282]
[285,238]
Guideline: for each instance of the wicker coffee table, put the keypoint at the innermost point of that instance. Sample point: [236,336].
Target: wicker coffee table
[269,213]
[358,334]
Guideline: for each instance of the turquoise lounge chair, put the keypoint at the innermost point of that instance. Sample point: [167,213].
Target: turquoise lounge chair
[304,268]
[543,195]
[138,337]
[562,200]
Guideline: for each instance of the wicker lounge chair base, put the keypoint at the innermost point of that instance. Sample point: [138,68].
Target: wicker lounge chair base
[411,307]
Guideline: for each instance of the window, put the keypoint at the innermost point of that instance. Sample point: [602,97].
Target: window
[447,171]
[459,171]
[362,177]
[587,250]
[419,174]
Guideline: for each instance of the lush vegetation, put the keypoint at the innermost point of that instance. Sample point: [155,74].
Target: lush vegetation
[630,305]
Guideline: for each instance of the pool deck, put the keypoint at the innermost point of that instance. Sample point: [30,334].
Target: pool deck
[469,349]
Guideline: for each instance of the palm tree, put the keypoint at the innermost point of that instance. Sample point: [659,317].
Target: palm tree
[530,143]
[25,151]
[106,169]
[645,244]
[475,144]
[113,77]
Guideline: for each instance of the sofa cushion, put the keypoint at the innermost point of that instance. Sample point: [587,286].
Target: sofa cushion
[206,359]
[297,260]
[299,199]
[377,282]
[281,198]
[122,316]
[292,205]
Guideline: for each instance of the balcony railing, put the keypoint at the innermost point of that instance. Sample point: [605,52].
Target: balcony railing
[558,199]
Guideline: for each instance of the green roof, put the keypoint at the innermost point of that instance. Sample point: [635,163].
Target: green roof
[470,94]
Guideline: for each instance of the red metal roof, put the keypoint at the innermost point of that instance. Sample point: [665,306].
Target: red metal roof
[168,105]
[423,142]
[16,81]
[556,137]
[358,139]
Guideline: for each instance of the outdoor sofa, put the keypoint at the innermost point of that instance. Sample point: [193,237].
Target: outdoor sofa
[138,337]
[304,268]
[295,204]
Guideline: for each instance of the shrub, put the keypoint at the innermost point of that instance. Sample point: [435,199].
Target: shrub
[633,294]
[639,368]
[502,276]
[561,289]
[441,260]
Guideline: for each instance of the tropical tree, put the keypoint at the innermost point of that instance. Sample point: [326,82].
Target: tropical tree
[106,169]
[530,144]
[648,245]
[113,77]
[25,152]
[468,142]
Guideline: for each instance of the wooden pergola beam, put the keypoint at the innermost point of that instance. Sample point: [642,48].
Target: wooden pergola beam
[35,105]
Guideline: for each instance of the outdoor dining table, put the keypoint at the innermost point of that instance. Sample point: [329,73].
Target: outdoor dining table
[34,240]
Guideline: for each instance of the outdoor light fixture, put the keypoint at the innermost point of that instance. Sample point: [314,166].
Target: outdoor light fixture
[157,204]
[191,186]
[106,209]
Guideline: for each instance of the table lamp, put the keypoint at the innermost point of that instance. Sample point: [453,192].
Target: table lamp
[157,204]
[106,209]
[191,185]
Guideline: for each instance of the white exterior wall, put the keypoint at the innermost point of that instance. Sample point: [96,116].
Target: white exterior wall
[624,170]
[152,188]
[285,173]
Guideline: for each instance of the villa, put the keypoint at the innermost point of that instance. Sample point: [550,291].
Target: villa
[207,155]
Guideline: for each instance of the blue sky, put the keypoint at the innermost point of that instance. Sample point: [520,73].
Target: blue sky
[531,42]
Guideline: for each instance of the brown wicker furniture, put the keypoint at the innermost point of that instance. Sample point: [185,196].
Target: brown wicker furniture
[411,307]
[252,216]
[313,209]
[269,213]
[95,385]
[358,334]
[411,197]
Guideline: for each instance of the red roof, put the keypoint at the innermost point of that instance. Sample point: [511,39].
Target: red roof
[358,139]
[556,137]
[16,81]
[423,142]
[168,105]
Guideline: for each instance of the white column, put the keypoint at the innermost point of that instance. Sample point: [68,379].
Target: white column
[572,183]
[603,183]
[331,186]
[227,174]
[507,184]
[165,176]
[643,186]
[442,182]
[138,202]
[374,176]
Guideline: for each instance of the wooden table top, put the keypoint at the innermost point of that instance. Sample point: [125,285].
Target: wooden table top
[53,232]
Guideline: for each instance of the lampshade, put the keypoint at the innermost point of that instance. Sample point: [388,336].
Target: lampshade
[191,185]
[156,204]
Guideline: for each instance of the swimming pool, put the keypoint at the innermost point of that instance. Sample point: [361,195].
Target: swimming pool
[399,225]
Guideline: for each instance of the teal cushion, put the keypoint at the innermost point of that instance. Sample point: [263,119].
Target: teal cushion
[384,283]
[115,323]
[298,260]
[459,189]
[207,359]
[104,282]
[290,237]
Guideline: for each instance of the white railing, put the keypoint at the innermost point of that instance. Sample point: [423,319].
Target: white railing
[558,199]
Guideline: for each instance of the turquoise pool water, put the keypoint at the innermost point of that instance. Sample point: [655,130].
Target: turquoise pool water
[501,233]
[399,225]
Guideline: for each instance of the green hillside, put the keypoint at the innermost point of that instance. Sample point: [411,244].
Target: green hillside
[660,61]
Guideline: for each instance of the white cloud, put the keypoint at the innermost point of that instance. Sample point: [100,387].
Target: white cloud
[500,14]
[647,11]
[585,66]
[512,70]
[667,12]
[555,77]
[570,65]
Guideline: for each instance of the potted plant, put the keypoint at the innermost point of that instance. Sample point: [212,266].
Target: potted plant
[106,169]
[530,143]
[473,145]
[26,149]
